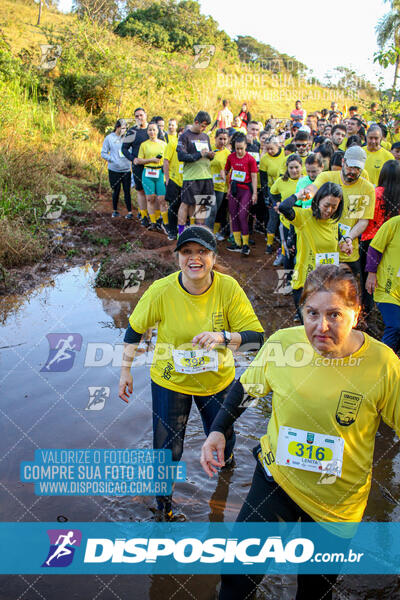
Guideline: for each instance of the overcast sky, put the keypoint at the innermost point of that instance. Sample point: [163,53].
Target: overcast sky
[320,34]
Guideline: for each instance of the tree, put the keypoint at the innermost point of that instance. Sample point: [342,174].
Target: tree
[174,26]
[388,29]
[266,57]
[102,11]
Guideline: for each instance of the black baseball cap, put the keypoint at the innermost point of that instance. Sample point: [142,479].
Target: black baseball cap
[200,235]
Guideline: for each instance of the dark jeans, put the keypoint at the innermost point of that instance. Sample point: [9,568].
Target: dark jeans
[391,317]
[268,502]
[296,297]
[173,197]
[116,179]
[273,221]
[367,299]
[219,196]
[222,215]
[170,416]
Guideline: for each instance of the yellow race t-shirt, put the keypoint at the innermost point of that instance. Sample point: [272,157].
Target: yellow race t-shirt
[375,162]
[359,203]
[343,398]
[314,237]
[285,189]
[217,165]
[387,241]
[149,149]
[175,167]
[181,316]
[273,165]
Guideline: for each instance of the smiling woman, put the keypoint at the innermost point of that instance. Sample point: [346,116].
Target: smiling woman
[315,461]
[202,315]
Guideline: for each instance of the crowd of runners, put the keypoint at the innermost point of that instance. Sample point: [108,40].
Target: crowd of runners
[323,190]
[318,186]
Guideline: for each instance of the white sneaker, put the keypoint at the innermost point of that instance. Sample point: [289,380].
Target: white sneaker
[219,237]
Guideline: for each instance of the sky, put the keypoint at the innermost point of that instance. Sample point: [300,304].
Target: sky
[320,34]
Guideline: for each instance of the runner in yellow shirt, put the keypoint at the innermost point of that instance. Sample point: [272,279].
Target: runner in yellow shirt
[331,386]
[383,266]
[151,153]
[359,203]
[173,170]
[272,164]
[376,155]
[201,315]
[221,153]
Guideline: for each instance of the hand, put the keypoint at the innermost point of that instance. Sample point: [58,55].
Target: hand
[254,198]
[214,444]
[155,160]
[276,207]
[204,153]
[370,284]
[308,191]
[125,381]
[211,155]
[135,161]
[208,339]
[346,246]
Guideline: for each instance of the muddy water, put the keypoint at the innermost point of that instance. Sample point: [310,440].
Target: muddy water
[50,410]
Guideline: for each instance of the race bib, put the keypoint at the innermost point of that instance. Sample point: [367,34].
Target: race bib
[343,230]
[152,173]
[181,168]
[310,451]
[217,178]
[327,258]
[195,361]
[255,155]
[238,176]
[201,146]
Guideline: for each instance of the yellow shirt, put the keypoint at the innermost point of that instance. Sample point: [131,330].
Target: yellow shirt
[175,167]
[181,316]
[289,141]
[385,144]
[313,236]
[285,189]
[387,241]
[273,165]
[335,397]
[217,165]
[359,203]
[375,162]
[149,149]
[343,145]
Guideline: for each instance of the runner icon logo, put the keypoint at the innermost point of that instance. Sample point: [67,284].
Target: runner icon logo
[62,351]
[203,54]
[50,55]
[133,277]
[54,205]
[97,397]
[62,547]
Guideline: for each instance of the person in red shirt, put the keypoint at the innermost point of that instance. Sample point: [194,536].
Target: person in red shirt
[242,191]
[244,115]
[387,205]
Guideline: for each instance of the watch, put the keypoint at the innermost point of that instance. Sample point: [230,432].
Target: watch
[227,337]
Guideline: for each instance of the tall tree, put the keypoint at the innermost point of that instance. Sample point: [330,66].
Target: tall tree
[388,30]
[102,11]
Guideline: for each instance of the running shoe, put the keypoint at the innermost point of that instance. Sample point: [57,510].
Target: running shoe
[269,249]
[163,227]
[145,222]
[129,216]
[245,250]
[171,236]
[219,237]
[234,248]
[115,214]
[229,463]
[153,227]
[279,261]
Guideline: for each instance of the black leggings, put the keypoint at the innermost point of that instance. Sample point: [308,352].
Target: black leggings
[267,502]
[116,179]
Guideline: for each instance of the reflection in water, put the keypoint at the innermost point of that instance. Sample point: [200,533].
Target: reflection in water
[45,410]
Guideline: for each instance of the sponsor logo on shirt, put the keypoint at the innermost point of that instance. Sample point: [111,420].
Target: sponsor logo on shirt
[347,408]
[217,321]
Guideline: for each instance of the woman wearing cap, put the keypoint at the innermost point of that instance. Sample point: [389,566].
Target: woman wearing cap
[119,167]
[201,314]
[331,385]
